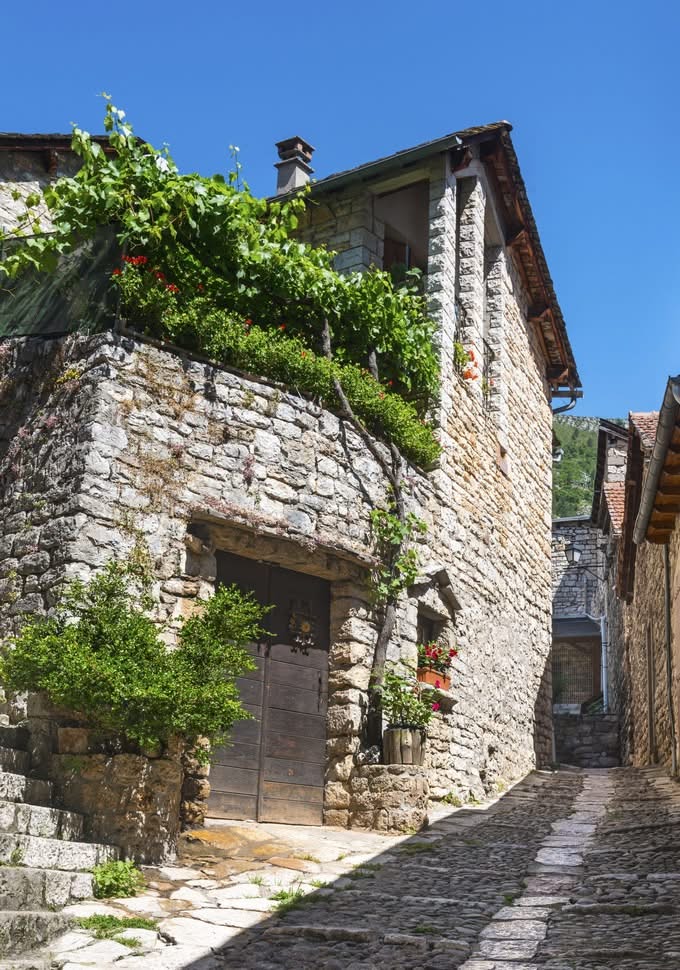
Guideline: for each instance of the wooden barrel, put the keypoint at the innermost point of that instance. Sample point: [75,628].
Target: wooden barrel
[404,745]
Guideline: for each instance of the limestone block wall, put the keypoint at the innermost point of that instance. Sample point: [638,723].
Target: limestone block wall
[587,741]
[491,518]
[575,591]
[114,439]
[645,658]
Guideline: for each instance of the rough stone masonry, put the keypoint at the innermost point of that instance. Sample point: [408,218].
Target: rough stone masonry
[109,439]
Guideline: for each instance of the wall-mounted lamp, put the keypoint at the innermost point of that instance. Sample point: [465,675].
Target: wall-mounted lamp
[573,553]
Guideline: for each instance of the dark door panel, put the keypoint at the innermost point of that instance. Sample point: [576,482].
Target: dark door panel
[290,722]
[292,812]
[288,674]
[294,772]
[237,756]
[230,805]
[295,749]
[272,768]
[241,781]
[295,699]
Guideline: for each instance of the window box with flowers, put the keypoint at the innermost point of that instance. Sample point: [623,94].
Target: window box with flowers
[434,663]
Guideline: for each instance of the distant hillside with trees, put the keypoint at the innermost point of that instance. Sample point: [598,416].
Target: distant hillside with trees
[574,475]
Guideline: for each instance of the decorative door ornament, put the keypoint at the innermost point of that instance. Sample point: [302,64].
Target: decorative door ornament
[302,625]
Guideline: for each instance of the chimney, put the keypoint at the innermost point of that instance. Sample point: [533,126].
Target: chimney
[294,168]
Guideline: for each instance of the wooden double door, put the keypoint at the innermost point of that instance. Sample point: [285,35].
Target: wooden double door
[272,768]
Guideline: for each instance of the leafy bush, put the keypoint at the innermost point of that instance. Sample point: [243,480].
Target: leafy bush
[117,879]
[103,656]
[405,702]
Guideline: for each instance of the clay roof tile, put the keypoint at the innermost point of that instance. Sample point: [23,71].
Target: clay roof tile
[615,497]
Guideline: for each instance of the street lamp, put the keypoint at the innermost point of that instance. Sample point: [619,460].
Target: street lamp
[572,553]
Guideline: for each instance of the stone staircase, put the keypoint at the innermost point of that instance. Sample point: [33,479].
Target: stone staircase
[43,865]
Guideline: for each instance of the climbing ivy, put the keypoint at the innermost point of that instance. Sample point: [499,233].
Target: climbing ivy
[212,237]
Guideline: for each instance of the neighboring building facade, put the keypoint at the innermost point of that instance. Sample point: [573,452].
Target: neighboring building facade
[648,586]
[589,695]
[110,438]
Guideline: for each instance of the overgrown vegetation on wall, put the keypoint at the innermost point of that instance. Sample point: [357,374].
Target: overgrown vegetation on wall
[207,259]
[102,656]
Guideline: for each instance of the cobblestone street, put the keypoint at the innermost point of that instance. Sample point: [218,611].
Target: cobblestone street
[573,870]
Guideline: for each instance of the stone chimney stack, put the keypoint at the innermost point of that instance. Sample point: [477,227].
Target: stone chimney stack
[294,168]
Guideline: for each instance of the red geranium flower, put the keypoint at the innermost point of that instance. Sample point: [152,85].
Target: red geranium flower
[116,272]
[172,287]
[159,275]
[282,326]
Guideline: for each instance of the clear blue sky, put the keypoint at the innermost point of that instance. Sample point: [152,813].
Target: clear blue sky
[592,89]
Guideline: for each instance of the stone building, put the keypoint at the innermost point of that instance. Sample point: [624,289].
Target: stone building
[587,615]
[648,586]
[110,437]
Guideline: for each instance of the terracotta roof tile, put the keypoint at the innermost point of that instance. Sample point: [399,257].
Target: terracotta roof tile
[615,497]
[645,423]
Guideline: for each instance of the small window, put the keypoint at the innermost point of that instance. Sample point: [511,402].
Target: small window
[427,628]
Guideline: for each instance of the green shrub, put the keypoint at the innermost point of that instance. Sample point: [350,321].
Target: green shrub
[270,353]
[117,879]
[102,656]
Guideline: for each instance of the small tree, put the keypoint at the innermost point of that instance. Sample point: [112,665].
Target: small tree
[102,656]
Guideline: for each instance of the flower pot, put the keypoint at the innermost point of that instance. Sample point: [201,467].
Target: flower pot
[404,745]
[428,676]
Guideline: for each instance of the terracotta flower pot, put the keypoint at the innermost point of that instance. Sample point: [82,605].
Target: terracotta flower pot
[433,678]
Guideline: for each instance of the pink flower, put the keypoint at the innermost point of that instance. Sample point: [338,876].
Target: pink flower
[437,683]
[436,706]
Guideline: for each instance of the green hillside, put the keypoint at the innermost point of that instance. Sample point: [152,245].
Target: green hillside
[574,475]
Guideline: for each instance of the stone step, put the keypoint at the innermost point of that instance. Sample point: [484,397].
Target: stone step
[14,759]
[25,930]
[22,888]
[26,963]
[14,736]
[50,823]
[40,853]
[19,788]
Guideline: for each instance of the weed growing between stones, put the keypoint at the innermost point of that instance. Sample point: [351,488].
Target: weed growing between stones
[288,899]
[117,879]
[110,927]
[413,848]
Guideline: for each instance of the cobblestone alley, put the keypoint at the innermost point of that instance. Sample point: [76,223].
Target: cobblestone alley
[574,870]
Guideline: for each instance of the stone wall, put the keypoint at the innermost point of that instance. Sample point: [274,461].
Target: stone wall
[587,741]
[116,440]
[389,798]
[128,798]
[575,592]
[645,658]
